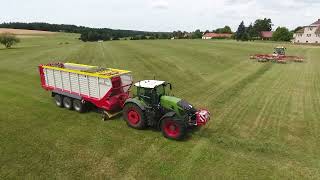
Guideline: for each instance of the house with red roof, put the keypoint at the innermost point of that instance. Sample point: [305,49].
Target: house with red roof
[216,35]
[308,34]
[266,35]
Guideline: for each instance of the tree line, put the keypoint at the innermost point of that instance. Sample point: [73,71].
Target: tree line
[253,31]
[243,33]
[105,34]
[86,33]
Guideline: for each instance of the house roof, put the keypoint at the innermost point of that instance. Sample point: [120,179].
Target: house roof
[217,35]
[266,34]
[317,23]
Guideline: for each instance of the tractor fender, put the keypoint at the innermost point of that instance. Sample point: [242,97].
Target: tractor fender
[140,104]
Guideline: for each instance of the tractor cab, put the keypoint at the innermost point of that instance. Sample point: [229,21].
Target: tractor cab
[150,91]
[279,51]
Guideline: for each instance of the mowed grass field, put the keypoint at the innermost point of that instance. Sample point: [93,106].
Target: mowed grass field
[265,125]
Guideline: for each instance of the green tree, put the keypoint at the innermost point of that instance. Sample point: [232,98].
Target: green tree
[164,36]
[251,32]
[241,33]
[197,34]
[225,29]
[8,39]
[262,25]
[282,34]
[178,34]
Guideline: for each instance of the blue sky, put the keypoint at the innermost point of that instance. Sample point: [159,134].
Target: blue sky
[161,15]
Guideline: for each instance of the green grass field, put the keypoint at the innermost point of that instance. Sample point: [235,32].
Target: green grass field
[265,116]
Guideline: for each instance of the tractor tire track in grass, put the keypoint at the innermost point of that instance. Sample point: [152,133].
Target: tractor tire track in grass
[248,105]
[236,89]
[231,93]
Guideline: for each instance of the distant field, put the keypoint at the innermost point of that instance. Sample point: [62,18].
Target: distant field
[25,32]
[265,122]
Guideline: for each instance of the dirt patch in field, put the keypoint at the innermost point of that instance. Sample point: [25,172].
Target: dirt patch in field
[25,32]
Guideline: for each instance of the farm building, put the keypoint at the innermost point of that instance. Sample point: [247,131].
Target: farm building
[266,35]
[308,34]
[216,35]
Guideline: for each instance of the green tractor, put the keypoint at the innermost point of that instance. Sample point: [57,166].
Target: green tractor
[279,51]
[152,106]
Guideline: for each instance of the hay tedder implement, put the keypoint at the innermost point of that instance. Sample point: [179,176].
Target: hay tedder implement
[278,56]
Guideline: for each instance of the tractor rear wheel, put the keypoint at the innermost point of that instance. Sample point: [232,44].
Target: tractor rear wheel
[134,116]
[58,100]
[79,106]
[67,103]
[173,129]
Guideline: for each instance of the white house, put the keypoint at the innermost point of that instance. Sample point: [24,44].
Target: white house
[308,34]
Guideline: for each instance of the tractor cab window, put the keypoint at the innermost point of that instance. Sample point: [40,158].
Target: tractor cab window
[144,92]
[147,94]
[279,51]
[160,90]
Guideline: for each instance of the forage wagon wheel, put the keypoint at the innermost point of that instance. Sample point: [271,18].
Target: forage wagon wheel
[134,116]
[173,129]
[58,100]
[79,106]
[67,103]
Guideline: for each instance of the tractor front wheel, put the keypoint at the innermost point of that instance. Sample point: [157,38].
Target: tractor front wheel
[134,116]
[173,129]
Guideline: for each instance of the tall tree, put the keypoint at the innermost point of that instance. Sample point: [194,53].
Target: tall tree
[241,33]
[262,25]
[252,32]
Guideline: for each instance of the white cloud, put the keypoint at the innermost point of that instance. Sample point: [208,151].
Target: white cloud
[162,15]
[159,4]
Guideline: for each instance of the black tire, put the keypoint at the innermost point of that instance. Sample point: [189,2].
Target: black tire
[67,103]
[79,106]
[134,116]
[58,100]
[173,129]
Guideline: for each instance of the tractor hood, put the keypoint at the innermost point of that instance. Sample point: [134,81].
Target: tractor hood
[180,106]
[169,102]
[186,106]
